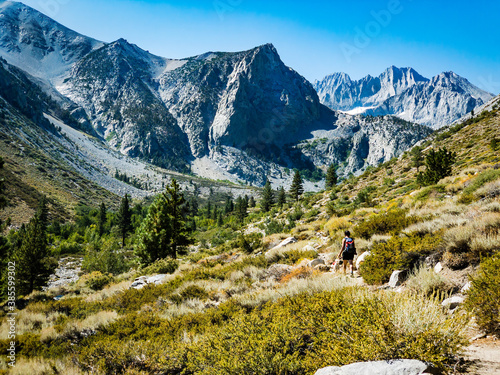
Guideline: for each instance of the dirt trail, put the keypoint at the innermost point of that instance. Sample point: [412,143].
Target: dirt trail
[485,354]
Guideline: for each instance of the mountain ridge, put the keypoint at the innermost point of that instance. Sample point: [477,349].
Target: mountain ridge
[405,93]
[237,109]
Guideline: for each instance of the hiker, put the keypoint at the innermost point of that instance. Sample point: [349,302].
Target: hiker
[347,251]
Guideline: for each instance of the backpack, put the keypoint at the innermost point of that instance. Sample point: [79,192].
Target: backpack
[349,247]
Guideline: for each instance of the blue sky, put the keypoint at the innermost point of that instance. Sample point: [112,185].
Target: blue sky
[315,38]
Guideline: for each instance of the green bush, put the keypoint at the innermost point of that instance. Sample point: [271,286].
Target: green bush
[194,291]
[483,298]
[390,222]
[66,247]
[250,242]
[398,253]
[364,195]
[425,193]
[109,259]
[97,280]
[290,337]
[166,265]
[293,256]
[273,226]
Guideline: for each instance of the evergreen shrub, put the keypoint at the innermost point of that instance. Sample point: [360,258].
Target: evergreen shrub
[483,298]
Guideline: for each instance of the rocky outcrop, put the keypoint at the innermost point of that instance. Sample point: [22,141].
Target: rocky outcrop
[453,302]
[142,281]
[67,272]
[404,93]
[361,259]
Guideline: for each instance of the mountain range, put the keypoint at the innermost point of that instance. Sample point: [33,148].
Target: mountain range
[404,93]
[242,116]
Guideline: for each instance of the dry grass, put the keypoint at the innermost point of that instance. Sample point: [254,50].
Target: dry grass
[30,322]
[108,291]
[274,254]
[42,366]
[485,244]
[297,273]
[91,323]
[492,207]
[189,306]
[425,281]
[413,314]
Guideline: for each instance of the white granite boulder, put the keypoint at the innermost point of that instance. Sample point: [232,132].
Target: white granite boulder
[391,367]
[397,278]
[361,258]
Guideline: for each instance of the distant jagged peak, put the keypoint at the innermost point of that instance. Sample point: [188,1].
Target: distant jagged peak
[407,74]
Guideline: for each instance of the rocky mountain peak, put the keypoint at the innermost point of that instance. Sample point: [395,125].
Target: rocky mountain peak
[404,92]
[38,44]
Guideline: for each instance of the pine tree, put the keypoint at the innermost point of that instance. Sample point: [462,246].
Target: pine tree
[251,202]
[281,197]
[154,234]
[417,158]
[180,231]
[209,210]
[220,220]
[229,207]
[124,218]
[33,264]
[164,231]
[438,165]
[297,188]
[101,219]
[43,212]
[267,200]
[240,208]
[331,177]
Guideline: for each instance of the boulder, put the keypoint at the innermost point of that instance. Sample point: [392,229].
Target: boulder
[438,267]
[142,281]
[329,258]
[361,258]
[277,271]
[309,248]
[322,268]
[313,263]
[391,367]
[453,302]
[466,287]
[397,278]
[285,242]
[432,260]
